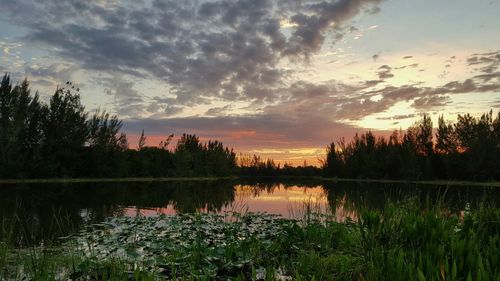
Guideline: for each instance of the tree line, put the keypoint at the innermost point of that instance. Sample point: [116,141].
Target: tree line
[61,139]
[252,166]
[468,149]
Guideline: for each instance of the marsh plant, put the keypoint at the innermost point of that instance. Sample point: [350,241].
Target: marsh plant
[396,243]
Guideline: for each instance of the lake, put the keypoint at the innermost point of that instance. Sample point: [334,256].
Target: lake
[46,211]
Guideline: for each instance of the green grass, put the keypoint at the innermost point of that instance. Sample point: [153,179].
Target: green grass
[397,243]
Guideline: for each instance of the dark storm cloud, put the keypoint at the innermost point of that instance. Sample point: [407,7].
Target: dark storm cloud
[215,48]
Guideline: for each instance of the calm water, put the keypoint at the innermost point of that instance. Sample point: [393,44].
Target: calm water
[48,210]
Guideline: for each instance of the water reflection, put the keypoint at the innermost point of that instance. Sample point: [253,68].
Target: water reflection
[50,210]
[271,198]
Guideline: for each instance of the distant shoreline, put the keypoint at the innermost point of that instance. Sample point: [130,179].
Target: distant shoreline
[425,182]
[96,180]
[173,179]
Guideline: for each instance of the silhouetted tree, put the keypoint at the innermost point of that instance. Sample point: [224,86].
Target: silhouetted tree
[446,138]
[332,165]
[65,133]
[105,146]
[142,141]
[468,149]
[60,139]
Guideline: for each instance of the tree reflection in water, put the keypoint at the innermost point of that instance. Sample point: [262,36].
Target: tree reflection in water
[45,211]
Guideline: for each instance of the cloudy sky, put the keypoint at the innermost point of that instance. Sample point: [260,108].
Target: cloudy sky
[281,78]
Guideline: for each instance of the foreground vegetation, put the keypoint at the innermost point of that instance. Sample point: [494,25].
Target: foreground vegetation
[397,243]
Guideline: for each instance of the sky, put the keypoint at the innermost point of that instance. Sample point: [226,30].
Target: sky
[277,78]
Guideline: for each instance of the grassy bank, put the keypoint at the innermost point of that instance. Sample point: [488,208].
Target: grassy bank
[94,180]
[398,243]
[281,178]
[426,182]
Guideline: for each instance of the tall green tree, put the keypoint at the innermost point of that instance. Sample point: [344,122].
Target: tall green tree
[332,165]
[20,117]
[446,140]
[188,155]
[424,136]
[65,133]
[105,146]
